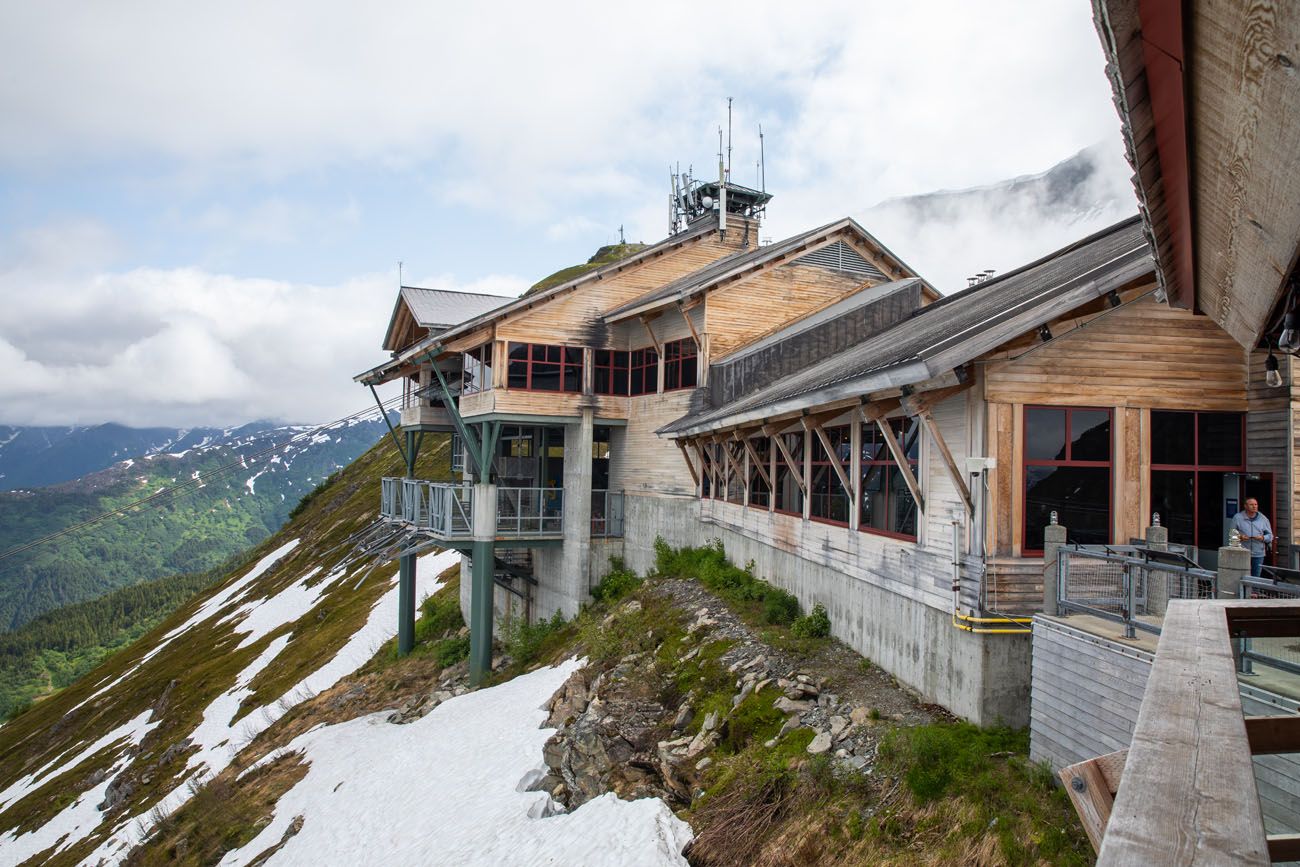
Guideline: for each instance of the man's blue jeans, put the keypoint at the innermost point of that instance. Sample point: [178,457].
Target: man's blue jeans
[1256,563]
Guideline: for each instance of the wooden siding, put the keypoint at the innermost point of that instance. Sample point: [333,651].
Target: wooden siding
[753,308]
[1084,701]
[547,403]
[641,462]
[1143,354]
[1014,585]
[575,317]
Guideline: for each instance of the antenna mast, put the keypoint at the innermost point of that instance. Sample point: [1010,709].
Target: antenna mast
[728,138]
[762,162]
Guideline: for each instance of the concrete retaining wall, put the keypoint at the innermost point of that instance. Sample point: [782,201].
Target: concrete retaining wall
[984,678]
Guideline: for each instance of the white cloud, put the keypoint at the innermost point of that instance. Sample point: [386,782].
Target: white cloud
[186,347]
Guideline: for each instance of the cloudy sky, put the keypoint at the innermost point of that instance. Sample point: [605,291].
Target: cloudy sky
[202,205]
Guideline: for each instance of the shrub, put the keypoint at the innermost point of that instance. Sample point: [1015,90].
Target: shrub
[450,651]
[815,625]
[618,583]
[524,641]
[439,614]
[780,608]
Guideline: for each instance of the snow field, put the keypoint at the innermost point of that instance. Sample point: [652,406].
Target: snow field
[447,789]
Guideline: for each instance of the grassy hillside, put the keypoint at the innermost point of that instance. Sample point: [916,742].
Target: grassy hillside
[173,681]
[194,532]
[606,255]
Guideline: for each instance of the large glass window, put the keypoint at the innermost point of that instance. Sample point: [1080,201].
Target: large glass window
[539,367]
[733,462]
[828,499]
[789,498]
[644,364]
[680,364]
[1191,453]
[609,373]
[759,495]
[1067,465]
[887,504]
[476,373]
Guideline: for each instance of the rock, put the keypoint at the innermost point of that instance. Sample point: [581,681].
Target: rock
[838,725]
[787,705]
[703,741]
[897,717]
[757,662]
[769,743]
[710,722]
[631,607]
[841,753]
[744,694]
[859,716]
[694,652]
[118,792]
[703,763]
[791,723]
[684,716]
[820,744]
[858,762]
[803,678]
[762,684]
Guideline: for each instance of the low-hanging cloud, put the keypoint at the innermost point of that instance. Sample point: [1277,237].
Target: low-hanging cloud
[182,346]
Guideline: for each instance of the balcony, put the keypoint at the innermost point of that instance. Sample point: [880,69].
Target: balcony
[423,409]
[446,510]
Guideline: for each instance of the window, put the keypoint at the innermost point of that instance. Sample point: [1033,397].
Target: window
[759,495]
[681,364]
[1191,452]
[886,502]
[516,442]
[1067,471]
[828,499]
[538,367]
[789,498]
[706,474]
[644,371]
[476,370]
[733,463]
[609,371]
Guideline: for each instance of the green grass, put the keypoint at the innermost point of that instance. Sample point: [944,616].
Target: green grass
[757,602]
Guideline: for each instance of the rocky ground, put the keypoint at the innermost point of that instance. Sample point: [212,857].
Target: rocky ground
[619,728]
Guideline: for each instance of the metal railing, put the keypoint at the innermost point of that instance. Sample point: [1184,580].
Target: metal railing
[1282,654]
[1125,584]
[446,510]
[390,499]
[607,513]
[530,511]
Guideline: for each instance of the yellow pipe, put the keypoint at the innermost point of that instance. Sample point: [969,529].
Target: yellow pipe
[988,631]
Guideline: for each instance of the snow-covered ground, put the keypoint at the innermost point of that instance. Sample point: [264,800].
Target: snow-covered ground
[450,789]
[218,736]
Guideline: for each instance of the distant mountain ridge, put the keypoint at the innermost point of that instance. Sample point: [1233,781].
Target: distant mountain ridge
[239,486]
[33,457]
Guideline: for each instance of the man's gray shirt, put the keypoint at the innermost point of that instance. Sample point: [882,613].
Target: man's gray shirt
[1257,526]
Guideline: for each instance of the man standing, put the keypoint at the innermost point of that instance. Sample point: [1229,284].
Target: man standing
[1256,533]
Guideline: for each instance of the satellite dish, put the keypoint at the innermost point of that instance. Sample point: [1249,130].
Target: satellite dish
[707,201]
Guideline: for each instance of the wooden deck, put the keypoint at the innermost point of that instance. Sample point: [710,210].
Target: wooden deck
[1188,793]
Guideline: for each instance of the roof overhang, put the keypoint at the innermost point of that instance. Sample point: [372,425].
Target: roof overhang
[1210,102]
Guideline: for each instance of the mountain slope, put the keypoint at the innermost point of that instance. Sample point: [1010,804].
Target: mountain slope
[193,531]
[187,695]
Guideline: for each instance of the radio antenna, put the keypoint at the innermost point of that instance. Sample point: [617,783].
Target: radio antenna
[728,138]
[762,162]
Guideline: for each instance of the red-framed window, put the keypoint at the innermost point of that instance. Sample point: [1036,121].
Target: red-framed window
[759,495]
[476,369]
[643,368]
[681,364]
[541,367]
[788,498]
[886,504]
[610,371]
[828,501]
[1067,470]
[1193,456]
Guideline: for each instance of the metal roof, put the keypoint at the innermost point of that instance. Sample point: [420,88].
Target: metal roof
[950,332]
[738,263]
[441,309]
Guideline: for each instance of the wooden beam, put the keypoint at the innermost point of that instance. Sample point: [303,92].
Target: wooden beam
[691,325]
[731,459]
[753,459]
[796,471]
[1092,785]
[876,410]
[695,477]
[927,421]
[706,467]
[1273,734]
[918,402]
[1283,847]
[817,429]
[645,320]
[900,460]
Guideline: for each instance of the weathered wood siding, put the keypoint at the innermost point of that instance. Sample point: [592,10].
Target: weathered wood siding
[1084,701]
[752,308]
[643,463]
[1268,444]
[1145,354]
[575,317]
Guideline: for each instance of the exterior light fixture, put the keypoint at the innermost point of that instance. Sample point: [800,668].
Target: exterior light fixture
[1053,519]
[1272,371]
[1289,340]
[1155,519]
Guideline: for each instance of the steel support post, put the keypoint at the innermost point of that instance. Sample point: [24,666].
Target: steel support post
[406,572]
[480,613]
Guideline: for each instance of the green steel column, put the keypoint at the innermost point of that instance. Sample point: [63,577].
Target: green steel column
[406,573]
[480,612]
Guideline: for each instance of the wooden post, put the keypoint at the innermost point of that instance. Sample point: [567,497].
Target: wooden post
[816,428]
[900,456]
[796,471]
[689,466]
[753,459]
[927,421]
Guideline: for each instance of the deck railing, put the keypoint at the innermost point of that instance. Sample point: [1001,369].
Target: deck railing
[1282,654]
[1125,584]
[530,511]
[607,513]
[446,510]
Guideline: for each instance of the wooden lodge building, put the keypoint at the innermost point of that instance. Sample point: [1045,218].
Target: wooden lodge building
[817,406]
